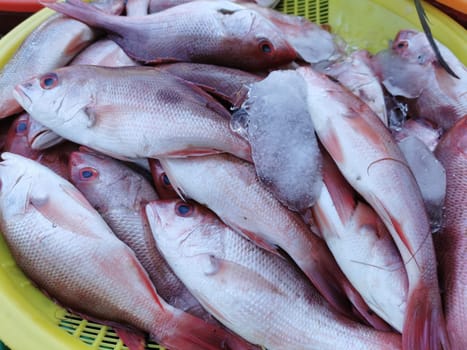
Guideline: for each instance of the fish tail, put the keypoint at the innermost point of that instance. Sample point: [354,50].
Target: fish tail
[424,326]
[85,13]
[192,333]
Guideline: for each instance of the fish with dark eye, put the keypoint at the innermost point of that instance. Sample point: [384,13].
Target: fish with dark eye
[131,112]
[409,69]
[216,32]
[253,292]
[119,194]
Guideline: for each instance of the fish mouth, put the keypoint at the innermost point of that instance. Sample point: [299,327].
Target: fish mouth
[43,139]
[20,93]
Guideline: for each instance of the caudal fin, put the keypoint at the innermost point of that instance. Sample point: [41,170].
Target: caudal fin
[192,333]
[85,13]
[424,326]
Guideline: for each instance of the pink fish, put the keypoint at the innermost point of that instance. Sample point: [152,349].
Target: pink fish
[255,293]
[216,32]
[451,242]
[161,181]
[368,157]
[17,138]
[67,249]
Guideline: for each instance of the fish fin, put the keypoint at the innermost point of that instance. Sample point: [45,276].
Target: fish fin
[424,325]
[192,152]
[387,217]
[192,333]
[363,311]
[94,112]
[58,217]
[86,13]
[176,187]
[257,240]
[133,340]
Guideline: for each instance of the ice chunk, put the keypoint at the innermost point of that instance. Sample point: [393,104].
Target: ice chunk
[430,176]
[276,121]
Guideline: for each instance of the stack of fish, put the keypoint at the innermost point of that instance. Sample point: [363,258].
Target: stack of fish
[218,175]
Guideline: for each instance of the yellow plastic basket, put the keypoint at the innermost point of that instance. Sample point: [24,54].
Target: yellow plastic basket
[29,320]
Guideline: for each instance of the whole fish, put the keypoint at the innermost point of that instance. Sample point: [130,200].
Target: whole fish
[355,73]
[230,188]
[51,45]
[109,110]
[451,242]
[67,249]
[370,160]
[216,32]
[119,194]
[253,292]
[161,181]
[287,163]
[362,246]
[410,69]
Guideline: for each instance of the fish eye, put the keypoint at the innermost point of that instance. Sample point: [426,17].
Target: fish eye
[266,46]
[403,44]
[49,81]
[21,127]
[88,173]
[165,180]
[183,209]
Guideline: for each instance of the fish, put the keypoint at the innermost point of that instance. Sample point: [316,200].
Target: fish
[215,32]
[362,246]
[370,160]
[451,242]
[57,158]
[119,194]
[230,188]
[51,45]
[287,163]
[68,250]
[182,120]
[409,68]
[161,181]
[255,293]
[355,73]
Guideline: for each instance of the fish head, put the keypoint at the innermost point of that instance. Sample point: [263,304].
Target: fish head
[400,76]
[16,141]
[162,183]
[263,44]
[183,229]
[104,180]
[413,47]
[57,98]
